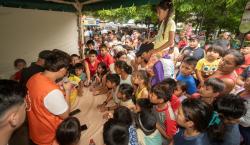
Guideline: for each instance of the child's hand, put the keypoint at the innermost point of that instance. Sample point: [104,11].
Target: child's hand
[95,93]
[67,86]
[87,83]
[107,115]
[104,109]
[101,105]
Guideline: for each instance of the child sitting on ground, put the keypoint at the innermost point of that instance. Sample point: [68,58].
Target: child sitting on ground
[19,64]
[208,65]
[147,132]
[99,79]
[124,70]
[140,81]
[112,83]
[186,74]
[124,94]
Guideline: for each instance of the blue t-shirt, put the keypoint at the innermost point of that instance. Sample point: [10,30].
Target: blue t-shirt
[180,139]
[246,73]
[231,137]
[189,81]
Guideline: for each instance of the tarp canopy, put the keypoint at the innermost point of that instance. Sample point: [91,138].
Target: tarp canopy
[69,5]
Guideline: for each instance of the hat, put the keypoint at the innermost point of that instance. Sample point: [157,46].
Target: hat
[144,48]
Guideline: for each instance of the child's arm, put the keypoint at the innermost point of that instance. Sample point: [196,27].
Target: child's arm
[240,81]
[111,108]
[87,71]
[199,76]
[162,131]
[144,94]
[109,97]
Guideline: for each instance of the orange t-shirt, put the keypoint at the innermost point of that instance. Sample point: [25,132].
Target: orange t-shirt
[42,123]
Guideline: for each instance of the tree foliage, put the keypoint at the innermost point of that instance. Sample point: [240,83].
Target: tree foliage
[204,14]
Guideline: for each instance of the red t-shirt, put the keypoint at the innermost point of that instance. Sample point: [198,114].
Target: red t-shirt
[246,64]
[175,103]
[107,59]
[92,68]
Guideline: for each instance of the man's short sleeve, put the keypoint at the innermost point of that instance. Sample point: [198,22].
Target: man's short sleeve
[55,102]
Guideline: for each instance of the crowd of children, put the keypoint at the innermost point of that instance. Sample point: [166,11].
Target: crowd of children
[154,95]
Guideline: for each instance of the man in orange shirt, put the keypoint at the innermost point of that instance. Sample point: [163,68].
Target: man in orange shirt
[48,104]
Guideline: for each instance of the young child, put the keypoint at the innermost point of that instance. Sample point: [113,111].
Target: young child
[194,116]
[224,128]
[140,80]
[245,50]
[124,94]
[112,83]
[104,56]
[115,133]
[90,45]
[165,115]
[74,60]
[186,70]
[80,71]
[123,115]
[120,56]
[181,90]
[19,64]
[147,132]
[142,104]
[124,70]
[91,64]
[208,65]
[99,78]
[211,90]
[69,132]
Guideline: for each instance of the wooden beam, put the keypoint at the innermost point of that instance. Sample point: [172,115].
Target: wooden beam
[61,2]
[91,2]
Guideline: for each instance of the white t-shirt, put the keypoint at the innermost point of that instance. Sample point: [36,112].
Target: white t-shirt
[126,81]
[55,102]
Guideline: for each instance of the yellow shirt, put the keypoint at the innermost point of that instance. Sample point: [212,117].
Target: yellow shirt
[207,68]
[159,40]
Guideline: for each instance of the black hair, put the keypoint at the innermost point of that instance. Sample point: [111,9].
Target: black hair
[166,5]
[239,58]
[190,61]
[69,131]
[44,54]
[142,74]
[123,66]
[103,46]
[198,112]
[144,48]
[115,133]
[79,66]
[119,54]
[74,55]
[104,67]
[170,85]
[11,94]
[161,91]
[123,115]
[182,85]
[144,103]
[57,60]
[19,60]
[93,52]
[90,42]
[146,121]
[228,107]
[126,90]
[113,78]
[216,84]
[217,49]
